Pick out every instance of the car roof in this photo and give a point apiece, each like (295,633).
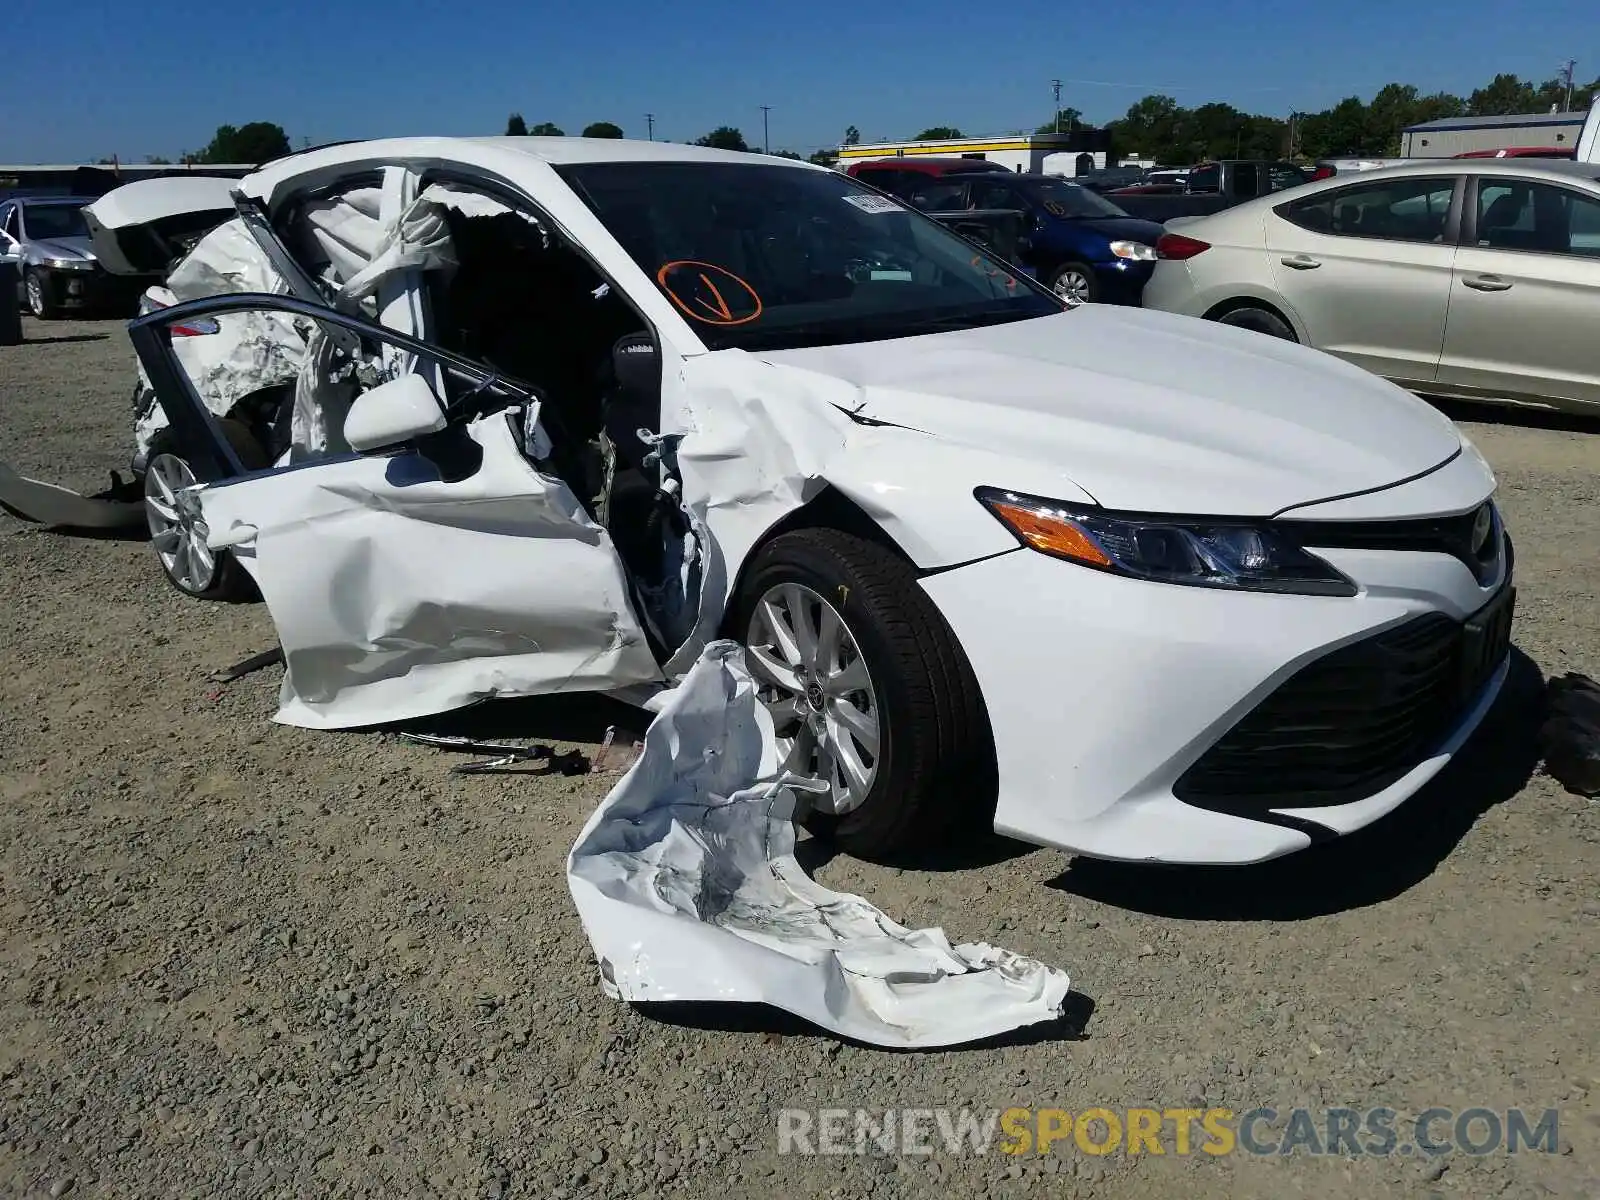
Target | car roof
(1520,165)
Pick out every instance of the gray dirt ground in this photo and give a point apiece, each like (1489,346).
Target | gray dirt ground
(239,959)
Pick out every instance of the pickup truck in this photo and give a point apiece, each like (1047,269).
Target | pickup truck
(1208,188)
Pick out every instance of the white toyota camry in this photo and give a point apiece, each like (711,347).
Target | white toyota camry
(511,416)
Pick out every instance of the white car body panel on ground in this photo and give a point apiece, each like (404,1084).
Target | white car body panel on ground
(686,882)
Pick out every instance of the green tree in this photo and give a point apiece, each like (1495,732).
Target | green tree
(156,160)
(602,129)
(787,154)
(1338,131)
(516,126)
(1067,119)
(939,133)
(1148,129)
(547,129)
(723,137)
(257,142)
(852,136)
(1502,96)
(824,157)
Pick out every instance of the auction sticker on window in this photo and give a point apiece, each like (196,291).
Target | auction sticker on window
(868,203)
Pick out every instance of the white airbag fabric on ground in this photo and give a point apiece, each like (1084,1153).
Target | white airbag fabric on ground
(686,882)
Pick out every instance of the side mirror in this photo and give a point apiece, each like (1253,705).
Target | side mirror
(637,366)
(398,411)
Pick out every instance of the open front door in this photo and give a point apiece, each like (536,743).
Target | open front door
(448,567)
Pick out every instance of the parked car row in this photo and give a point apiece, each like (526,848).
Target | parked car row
(988,554)
(1079,244)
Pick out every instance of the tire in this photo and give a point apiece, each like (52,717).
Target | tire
(173,524)
(933,777)
(1075,283)
(1259,320)
(36,295)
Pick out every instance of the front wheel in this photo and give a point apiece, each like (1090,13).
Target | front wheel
(178,532)
(869,692)
(1074,283)
(37,295)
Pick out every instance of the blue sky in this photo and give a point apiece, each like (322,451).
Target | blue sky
(86,79)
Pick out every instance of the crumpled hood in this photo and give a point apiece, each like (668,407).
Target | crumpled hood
(1148,411)
(68,247)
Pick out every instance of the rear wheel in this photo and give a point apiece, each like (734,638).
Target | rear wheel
(1259,320)
(869,692)
(178,531)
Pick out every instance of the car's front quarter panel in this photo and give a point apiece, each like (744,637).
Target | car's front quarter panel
(1102,691)
(762,441)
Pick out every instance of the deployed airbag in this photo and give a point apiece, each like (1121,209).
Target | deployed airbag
(687,884)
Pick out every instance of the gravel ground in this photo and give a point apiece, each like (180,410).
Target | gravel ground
(239,959)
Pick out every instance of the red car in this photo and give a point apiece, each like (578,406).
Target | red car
(1520,152)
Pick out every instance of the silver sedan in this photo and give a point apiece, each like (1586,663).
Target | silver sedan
(1471,278)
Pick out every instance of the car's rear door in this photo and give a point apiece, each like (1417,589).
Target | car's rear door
(445,571)
(1525,299)
(1367,268)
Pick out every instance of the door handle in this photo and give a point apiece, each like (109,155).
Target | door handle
(1301,262)
(1486,283)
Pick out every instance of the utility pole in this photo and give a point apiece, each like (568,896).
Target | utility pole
(650,124)
(1055,87)
(1566,74)
(766,144)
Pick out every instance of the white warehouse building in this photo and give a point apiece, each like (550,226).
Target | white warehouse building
(1450,136)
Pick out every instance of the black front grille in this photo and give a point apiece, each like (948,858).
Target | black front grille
(1451,535)
(1343,727)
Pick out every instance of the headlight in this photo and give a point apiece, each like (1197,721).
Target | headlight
(70,264)
(1242,555)
(1137,251)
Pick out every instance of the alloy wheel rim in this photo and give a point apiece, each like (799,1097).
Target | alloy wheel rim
(35,296)
(1072,287)
(177,530)
(815,684)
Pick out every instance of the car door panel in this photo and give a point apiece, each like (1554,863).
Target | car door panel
(1524,300)
(411,583)
(1377,297)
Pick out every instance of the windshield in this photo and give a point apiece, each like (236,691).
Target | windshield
(776,257)
(1062,199)
(46,222)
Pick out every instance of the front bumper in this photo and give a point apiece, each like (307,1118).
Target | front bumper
(1122,280)
(96,289)
(1104,694)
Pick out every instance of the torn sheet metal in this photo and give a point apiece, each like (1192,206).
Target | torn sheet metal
(248,350)
(57,507)
(397,594)
(686,882)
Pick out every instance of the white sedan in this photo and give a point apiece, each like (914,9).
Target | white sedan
(1473,278)
(566,411)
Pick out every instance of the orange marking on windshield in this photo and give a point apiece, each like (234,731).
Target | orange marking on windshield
(715,311)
